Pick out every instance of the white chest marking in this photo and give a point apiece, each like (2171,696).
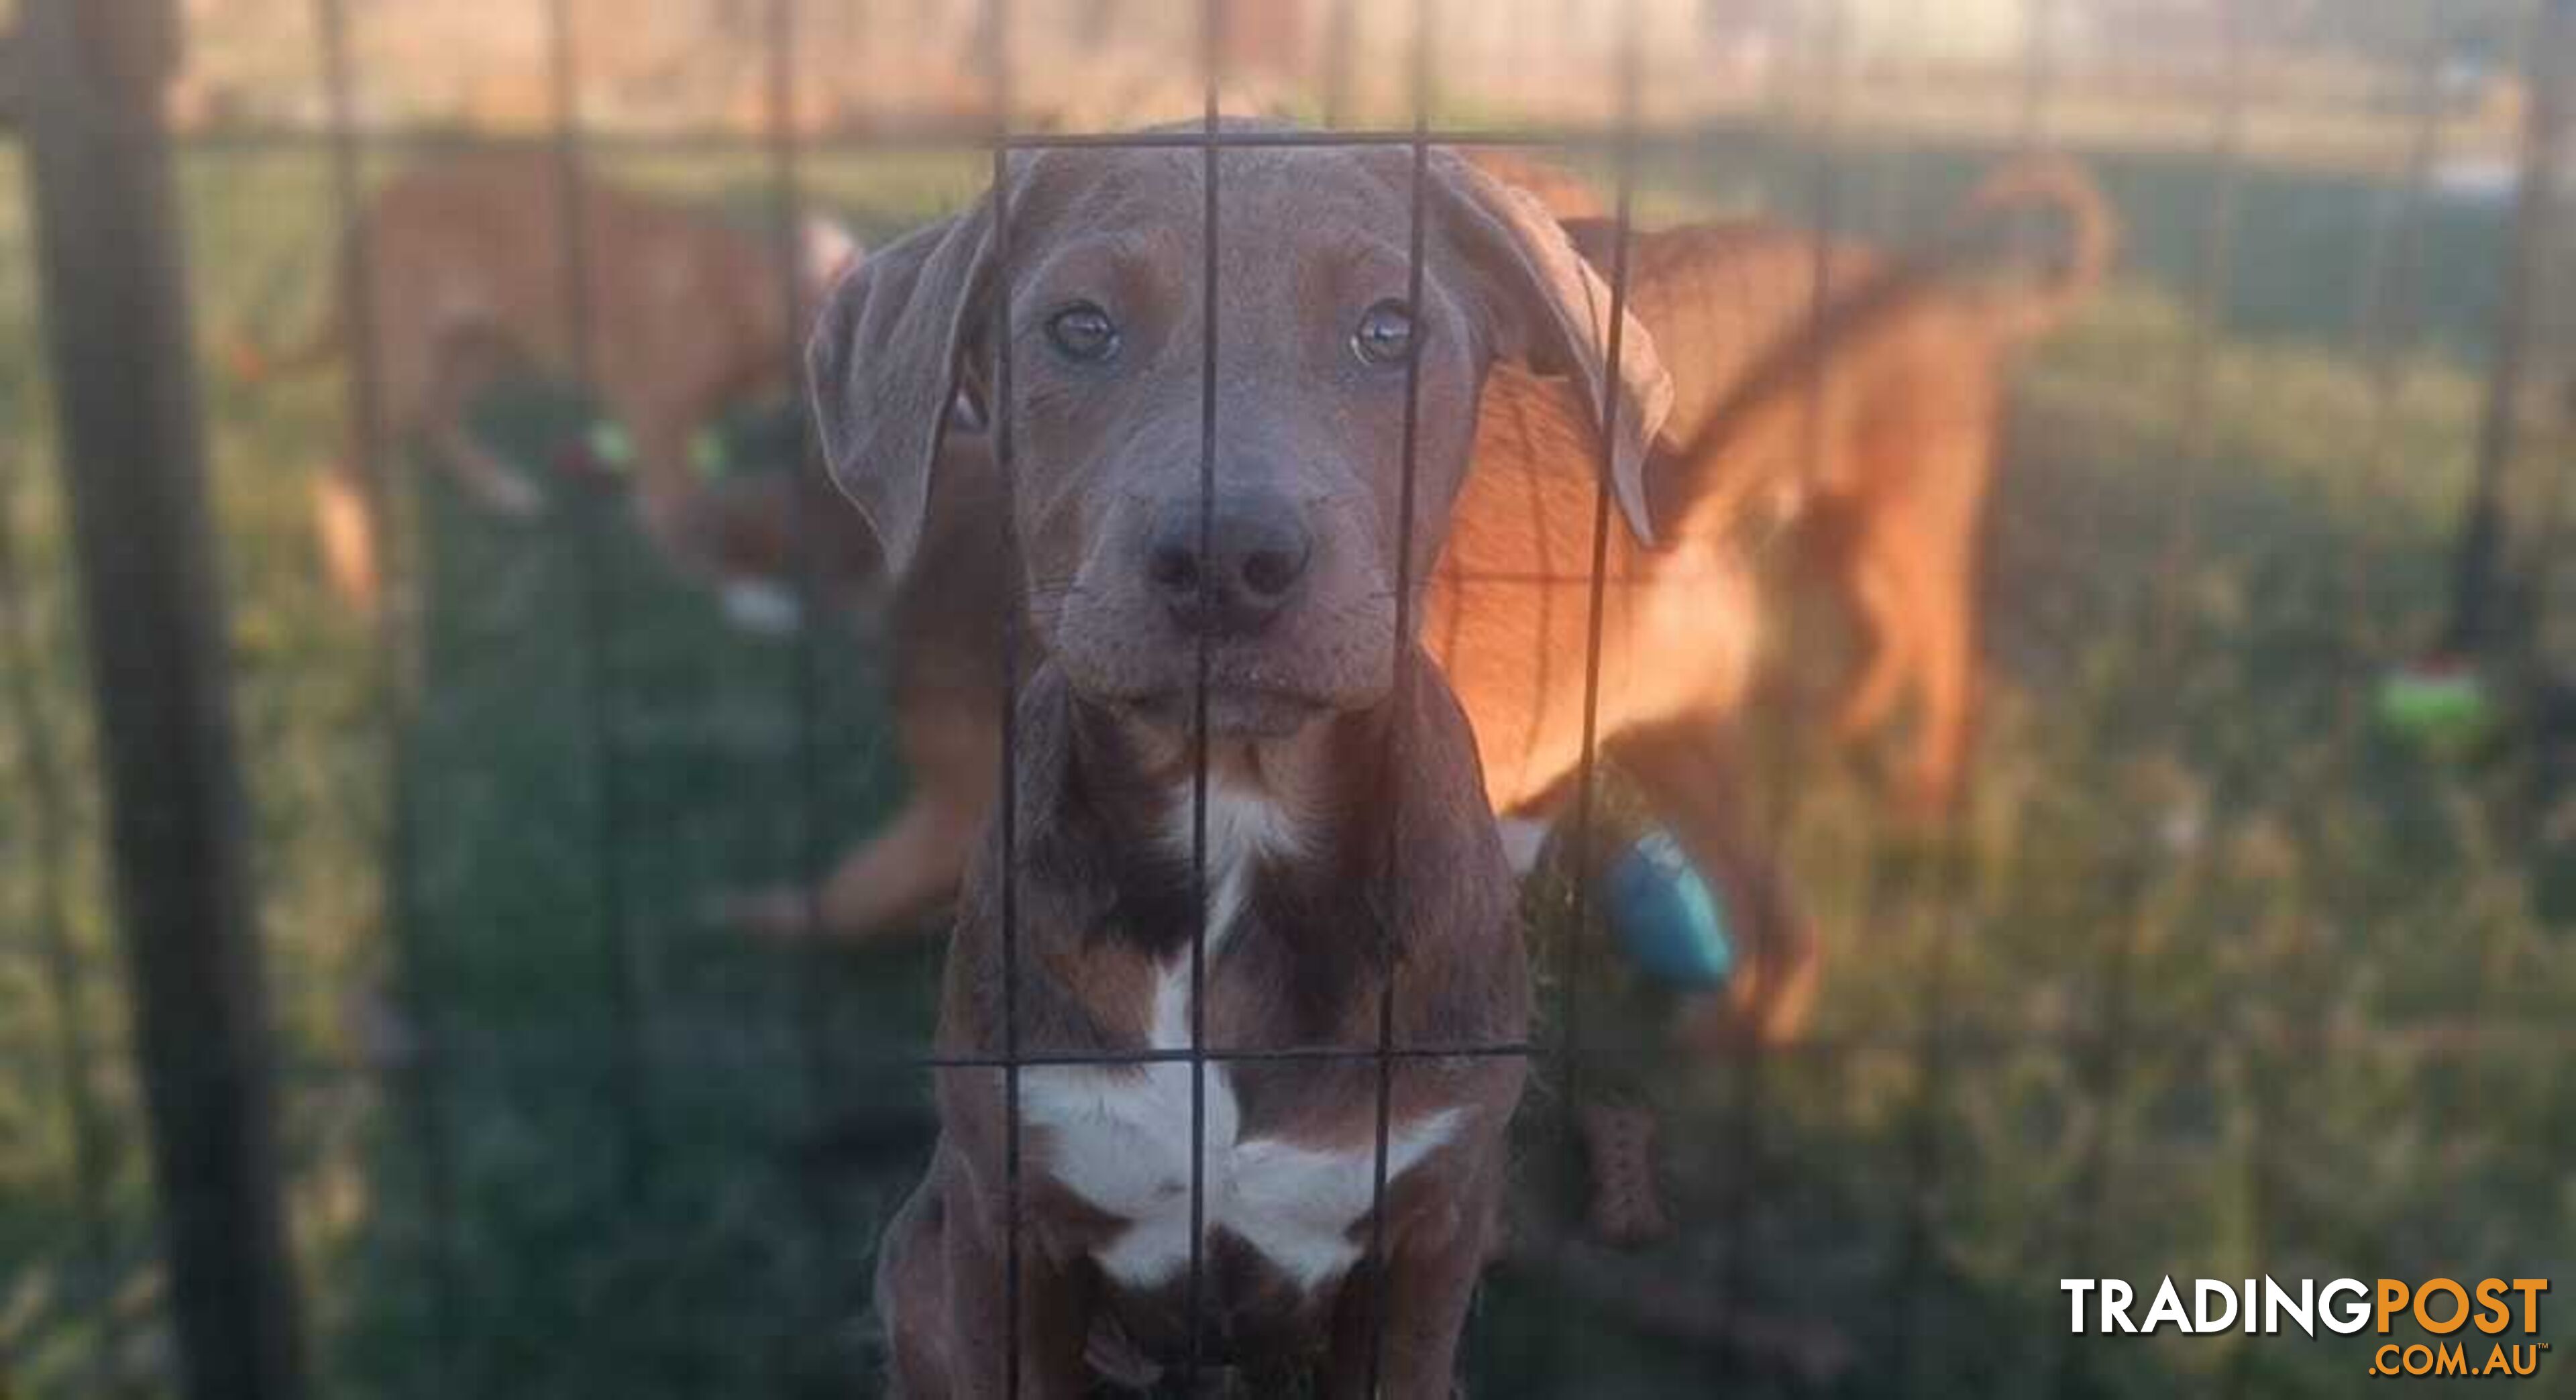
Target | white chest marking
(1119,1138)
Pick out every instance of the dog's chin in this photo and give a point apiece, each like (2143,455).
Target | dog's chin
(1233,712)
(1255,690)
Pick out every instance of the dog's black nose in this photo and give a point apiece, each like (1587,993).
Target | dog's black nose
(1256,555)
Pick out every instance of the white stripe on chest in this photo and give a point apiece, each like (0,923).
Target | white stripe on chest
(1119,1138)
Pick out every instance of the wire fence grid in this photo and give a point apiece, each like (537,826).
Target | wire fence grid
(2384,323)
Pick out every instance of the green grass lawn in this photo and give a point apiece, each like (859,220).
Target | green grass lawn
(2211,981)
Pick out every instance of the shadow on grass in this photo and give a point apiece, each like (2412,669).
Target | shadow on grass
(636,1200)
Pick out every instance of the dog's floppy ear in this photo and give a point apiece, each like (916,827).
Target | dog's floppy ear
(1551,311)
(882,368)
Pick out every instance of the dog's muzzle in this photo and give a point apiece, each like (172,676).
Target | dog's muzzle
(1231,570)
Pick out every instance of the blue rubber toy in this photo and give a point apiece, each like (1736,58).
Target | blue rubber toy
(1668,917)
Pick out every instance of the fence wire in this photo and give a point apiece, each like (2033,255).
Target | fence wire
(419,1081)
(2383,323)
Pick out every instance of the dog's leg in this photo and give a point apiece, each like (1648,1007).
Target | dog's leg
(1693,781)
(1424,1286)
(894,876)
(1055,1307)
(1947,674)
(347,507)
(346,527)
(1877,594)
(906,871)
(952,753)
(944,1277)
(1924,536)
(911,1283)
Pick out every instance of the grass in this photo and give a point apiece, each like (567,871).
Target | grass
(2212,980)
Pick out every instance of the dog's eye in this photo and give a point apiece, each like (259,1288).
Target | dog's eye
(1083,332)
(1385,334)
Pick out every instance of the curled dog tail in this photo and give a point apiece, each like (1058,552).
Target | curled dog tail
(2092,237)
(1702,477)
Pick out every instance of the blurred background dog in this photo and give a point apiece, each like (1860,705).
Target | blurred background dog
(467,267)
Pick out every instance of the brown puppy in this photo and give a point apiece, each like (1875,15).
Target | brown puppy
(1875,424)
(1352,866)
(466,271)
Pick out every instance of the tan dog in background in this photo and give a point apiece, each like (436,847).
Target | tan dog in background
(1872,432)
(1874,426)
(467,274)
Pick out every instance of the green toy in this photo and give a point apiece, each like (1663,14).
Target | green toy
(2440,703)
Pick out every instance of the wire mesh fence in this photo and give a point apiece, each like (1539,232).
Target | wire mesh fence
(2202,932)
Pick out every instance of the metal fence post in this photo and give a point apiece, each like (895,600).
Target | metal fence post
(133,464)
(2480,589)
